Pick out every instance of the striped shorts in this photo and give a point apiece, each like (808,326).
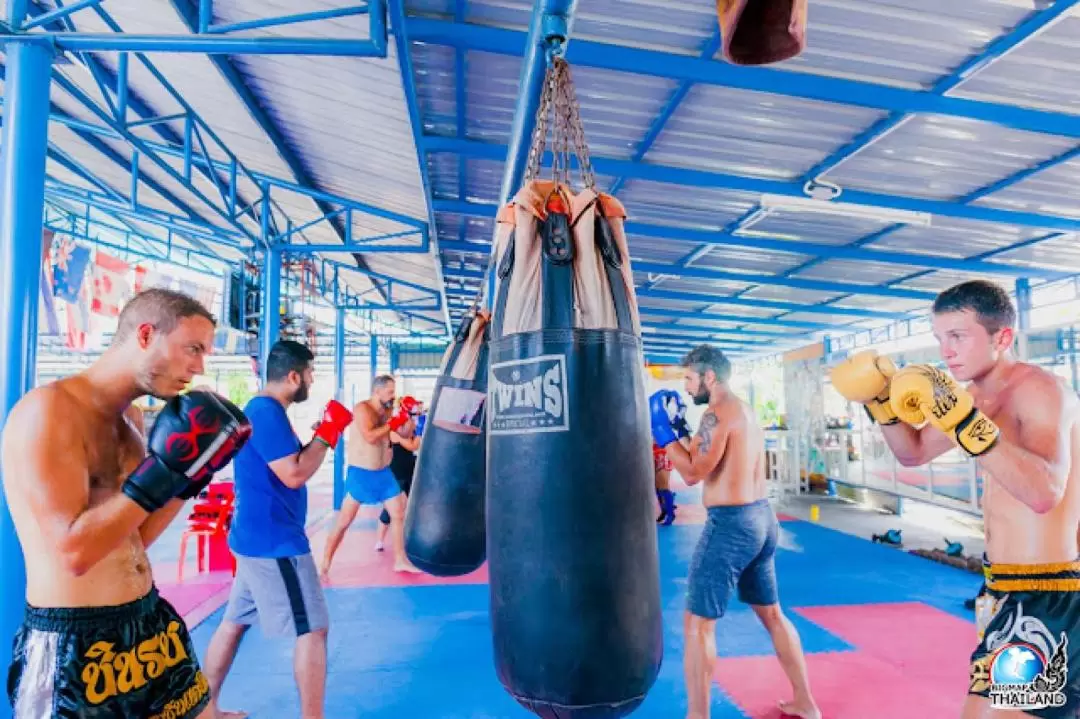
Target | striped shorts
(282,595)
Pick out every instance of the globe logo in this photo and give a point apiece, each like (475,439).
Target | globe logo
(1016,664)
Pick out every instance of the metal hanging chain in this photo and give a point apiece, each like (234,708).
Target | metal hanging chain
(539,138)
(577,128)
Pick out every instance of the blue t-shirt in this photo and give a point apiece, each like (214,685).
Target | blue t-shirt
(269,518)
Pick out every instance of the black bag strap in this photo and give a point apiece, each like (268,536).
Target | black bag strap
(557,271)
(505,269)
(609,252)
(459,343)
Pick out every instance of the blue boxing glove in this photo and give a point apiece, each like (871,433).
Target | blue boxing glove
(676,410)
(659,418)
(420,422)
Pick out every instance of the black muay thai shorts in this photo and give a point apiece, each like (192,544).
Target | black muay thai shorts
(132,661)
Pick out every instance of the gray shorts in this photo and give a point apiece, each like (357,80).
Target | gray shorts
(282,595)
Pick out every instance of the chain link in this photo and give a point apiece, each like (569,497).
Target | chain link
(559,99)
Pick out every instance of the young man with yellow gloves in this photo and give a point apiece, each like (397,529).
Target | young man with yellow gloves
(1019,423)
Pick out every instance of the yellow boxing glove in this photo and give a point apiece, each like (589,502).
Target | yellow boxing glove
(864,377)
(923,393)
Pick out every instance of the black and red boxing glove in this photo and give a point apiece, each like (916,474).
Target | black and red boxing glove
(334,421)
(195,435)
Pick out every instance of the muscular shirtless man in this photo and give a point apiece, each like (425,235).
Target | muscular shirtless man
(88,497)
(1019,423)
(369,479)
(738,544)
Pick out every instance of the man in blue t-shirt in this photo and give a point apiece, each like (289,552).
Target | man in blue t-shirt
(277,583)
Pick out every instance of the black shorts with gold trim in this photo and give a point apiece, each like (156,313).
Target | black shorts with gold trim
(132,661)
(1029,656)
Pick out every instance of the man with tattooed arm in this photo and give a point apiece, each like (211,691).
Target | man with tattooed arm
(738,543)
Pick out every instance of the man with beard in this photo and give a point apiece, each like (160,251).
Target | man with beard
(88,494)
(276,583)
(737,547)
(369,479)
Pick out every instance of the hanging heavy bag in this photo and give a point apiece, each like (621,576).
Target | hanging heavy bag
(444,521)
(761,32)
(572,549)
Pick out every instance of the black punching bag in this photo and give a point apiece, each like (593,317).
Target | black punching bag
(444,522)
(572,556)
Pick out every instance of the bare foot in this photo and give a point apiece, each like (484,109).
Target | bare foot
(323,572)
(406,566)
(801,709)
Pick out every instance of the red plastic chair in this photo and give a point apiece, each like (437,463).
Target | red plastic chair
(208,521)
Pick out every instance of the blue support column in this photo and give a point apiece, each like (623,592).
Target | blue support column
(551,23)
(339,394)
(374,350)
(1023,316)
(270,327)
(23,145)
(226,296)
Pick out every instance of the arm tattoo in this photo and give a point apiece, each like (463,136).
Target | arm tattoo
(705,431)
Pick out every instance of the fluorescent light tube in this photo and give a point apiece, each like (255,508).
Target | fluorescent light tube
(844,209)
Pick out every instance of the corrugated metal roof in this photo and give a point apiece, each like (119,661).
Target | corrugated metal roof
(762,133)
(343,127)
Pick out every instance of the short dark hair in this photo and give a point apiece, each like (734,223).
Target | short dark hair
(990,302)
(287,356)
(381,381)
(706,357)
(159,307)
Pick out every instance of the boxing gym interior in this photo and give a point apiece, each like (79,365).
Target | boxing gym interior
(398,184)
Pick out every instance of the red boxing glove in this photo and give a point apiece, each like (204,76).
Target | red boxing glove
(399,419)
(334,421)
(410,405)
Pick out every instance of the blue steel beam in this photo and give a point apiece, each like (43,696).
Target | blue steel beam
(204,44)
(67,222)
(1034,24)
(190,15)
(711,300)
(798,283)
(691,329)
(711,238)
(549,31)
(140,146)
(769,79)
(178,225)
(724,181)
(117,84)
(294,19)
(668,111)
(23,149)
(402,46)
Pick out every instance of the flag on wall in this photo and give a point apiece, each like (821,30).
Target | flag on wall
(69,268)
(78,322)
(146,278)
(47,306)
(111,286)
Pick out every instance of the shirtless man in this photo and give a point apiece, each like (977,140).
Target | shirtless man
(88,495)
(369,479)
(404,443)
(1019,423)
(738,544)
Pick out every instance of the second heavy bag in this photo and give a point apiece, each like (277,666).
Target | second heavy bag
(572,555)
(762,32)
(444,521)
